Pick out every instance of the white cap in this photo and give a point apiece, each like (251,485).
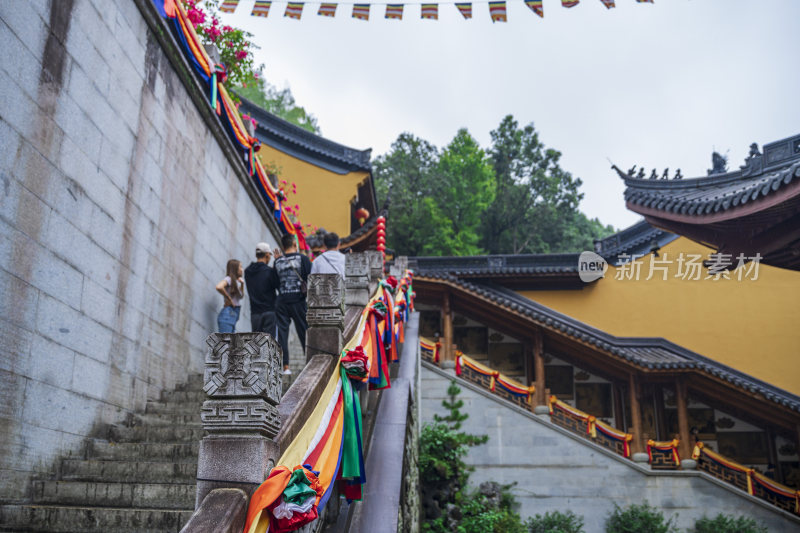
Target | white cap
(263,248)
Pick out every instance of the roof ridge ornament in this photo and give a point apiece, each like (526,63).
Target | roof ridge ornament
(753,163)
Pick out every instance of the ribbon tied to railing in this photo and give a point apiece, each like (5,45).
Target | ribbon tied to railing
(671,446)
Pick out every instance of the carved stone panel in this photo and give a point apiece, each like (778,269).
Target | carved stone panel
(326,291)
(356,265)
(233,415)
(242,365)
(375,264)
(325,317)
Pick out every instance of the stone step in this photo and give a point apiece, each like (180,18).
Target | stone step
(58,518)
(142,451)
(185,409)
(167,419)
(133,471)
(178,396)
(94,493)
(153,433)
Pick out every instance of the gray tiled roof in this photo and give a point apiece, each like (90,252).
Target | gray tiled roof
(646,352)
(638,239)
(760,176)
(497,265)
(294,140)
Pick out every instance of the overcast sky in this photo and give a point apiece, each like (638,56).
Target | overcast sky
(659,85)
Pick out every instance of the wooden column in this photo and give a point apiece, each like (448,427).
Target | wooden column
(681,399)
(619,410)
(538,368)
(636,415)
(447,329)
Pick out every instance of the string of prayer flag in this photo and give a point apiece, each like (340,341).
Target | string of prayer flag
(229,6)
(261,8)
(497,10)
(294,10)
(570,3)
(394,11)
(465,9)
(430,11)
(361,11)
(536,6)
(327,10)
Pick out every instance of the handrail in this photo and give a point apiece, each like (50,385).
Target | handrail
(329,445)
(753,482)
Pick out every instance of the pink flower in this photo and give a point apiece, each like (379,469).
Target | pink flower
(244,85)
(241,54)
(254,122)
(196,16)
(296,206)
(227,28)
(230,44)
(283,181)
(255,75)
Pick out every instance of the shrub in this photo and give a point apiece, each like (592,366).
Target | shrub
(728,524)
(639,519)
(555,522)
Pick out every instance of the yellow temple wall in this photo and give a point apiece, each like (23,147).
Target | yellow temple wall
(750,325)
(324,197)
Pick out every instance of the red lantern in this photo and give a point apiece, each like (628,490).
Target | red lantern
(381,241)
(381,220)
(362,215)
(381,232)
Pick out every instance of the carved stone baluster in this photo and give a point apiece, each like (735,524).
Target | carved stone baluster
(243,382)
(325,315)
(375,268)
(399,267)
(357,280)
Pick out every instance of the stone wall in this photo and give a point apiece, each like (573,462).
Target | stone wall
(118,211)
(555,471)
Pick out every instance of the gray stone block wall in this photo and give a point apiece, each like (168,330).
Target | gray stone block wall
(553,471)
(118,212)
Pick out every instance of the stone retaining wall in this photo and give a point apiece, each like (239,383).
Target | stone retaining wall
(118,211)
(557,471)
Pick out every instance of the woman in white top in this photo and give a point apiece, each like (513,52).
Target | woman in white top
(232,289)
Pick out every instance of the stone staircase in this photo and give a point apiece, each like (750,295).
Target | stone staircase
(140,478)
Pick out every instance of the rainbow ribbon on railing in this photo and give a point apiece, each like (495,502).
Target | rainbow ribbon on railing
(663,447)
(615,434)
(430,347)
(221,102)
(329,446)
(496,378)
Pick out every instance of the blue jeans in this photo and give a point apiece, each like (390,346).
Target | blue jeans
(227,318)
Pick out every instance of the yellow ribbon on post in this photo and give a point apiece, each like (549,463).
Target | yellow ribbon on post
(531,390)
(550,404)
(698,448)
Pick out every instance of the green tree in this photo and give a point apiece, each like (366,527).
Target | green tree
(467,186)
(555,522)
(279,102)
(535,209)
(639,518)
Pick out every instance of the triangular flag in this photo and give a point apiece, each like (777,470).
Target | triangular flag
(536,6)
(327,10)
(361,11)
(570,3)
(466,9)
(645,1)
(261,9)
(229,6)
(430,11)
(394,11)
(294,10)
(497,10)
(608,3)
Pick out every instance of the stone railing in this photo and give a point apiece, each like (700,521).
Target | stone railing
(250,425)
(747,479)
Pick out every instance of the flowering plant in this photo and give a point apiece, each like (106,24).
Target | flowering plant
(234,45)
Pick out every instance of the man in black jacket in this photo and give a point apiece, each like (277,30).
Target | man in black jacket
(261,287)
(290,273)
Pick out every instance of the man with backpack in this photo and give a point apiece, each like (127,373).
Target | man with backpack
(261,288)
(290,272)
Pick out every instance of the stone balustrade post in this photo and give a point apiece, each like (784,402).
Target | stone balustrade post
(326,300)
(399,267)
(242,379)
(356,268)
(375,269)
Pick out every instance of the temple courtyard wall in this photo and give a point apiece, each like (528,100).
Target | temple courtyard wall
(118,210)
(555,471)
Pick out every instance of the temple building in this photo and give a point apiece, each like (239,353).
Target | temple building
(689,336)
(333,183)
